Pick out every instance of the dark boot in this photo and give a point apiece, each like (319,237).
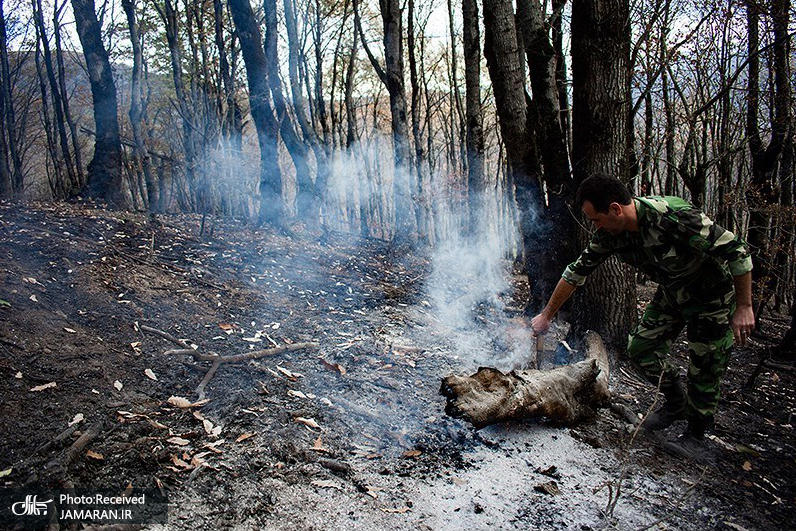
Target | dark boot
(673,409)
(692,445)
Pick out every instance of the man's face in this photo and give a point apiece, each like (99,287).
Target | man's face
(611,221)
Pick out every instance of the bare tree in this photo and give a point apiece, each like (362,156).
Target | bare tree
(766,158)
(392,75)
(474,115)
(506,69)
(105,168)
(600,103)
(272,208)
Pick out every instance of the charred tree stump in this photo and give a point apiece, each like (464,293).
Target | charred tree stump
(565,394)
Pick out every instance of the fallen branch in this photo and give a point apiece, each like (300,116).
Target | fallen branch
(564,394)
(216,360)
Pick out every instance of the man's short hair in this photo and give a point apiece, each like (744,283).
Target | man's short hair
(601,190)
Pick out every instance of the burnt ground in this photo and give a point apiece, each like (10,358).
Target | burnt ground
(351,435)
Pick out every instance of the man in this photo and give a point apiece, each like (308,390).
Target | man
(704,283)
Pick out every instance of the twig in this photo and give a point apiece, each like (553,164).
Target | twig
(217,360)
(676,505)
(613,496)
(200,390)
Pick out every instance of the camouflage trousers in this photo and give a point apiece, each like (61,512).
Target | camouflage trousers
(707,318)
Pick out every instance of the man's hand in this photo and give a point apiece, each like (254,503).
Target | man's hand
(540,324)
(743,323)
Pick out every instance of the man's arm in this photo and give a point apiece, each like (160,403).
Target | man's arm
(743,320)
(562,293)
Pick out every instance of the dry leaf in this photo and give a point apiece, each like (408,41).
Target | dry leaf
(156,424)
(551,487)
(289,374)
(200,403)
(151,375)
(402,510)
(208,426)
(336,367)
(179,441)
(6,472)
(43,387)
(94,455)
(118,385)
(18,375)
(326,484)
(747,466)
(310,422)
(243,436)
(297,394)
(33,298)
(412,453)
(318,446)
(179,462)
(178,401)
(70,330)
(78,418)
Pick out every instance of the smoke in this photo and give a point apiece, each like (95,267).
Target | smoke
(470,286)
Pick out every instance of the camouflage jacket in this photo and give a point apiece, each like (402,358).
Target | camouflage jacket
(676,245)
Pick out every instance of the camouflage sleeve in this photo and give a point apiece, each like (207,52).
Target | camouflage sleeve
(701,233)
(595,254)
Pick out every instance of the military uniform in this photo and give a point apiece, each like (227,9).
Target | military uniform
(693,261)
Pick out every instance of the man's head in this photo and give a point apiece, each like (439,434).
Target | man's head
(607,202)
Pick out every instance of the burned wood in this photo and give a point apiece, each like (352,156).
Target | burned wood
(564,394)
(217,360)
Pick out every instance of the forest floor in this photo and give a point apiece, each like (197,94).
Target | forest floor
(349,435)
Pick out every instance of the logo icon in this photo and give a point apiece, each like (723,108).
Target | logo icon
(30,507)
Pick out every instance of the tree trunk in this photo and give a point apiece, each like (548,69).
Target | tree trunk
(105,169)
(503,56)
(57,101)
(170,18)
(601,106)
(271,202)
(765,159)
(300,108)
(306,204)
(233,122)
(556,232)
(565,394)
(392,75)
(474,122)
(15,174)
(136,109)
(65,97)
(421,213)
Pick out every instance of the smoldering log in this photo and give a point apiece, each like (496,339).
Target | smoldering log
(565,394)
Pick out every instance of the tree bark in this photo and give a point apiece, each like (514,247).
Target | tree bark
(271,202)
(57,101)
(70,120)
(765,158)
(392,75)
(565,394)
(136,109)
(170,19)
(556,232)
(13,180)
(601,105)
(306,203)
(506,70)
(474,120)
(105,169)
(300,107)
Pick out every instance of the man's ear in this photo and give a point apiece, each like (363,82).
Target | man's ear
(615,208)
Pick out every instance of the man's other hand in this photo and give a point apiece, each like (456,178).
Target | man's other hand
(743,323)
(540,324)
